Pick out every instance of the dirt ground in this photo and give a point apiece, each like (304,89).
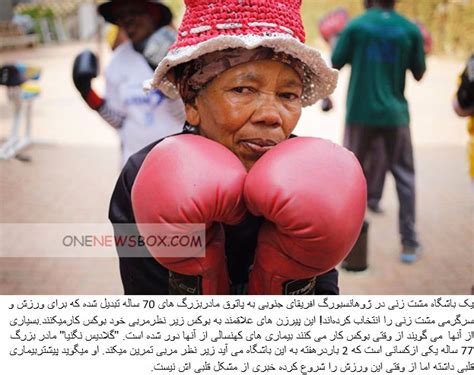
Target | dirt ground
(75,163)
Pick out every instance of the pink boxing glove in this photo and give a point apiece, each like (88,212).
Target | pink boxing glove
(332,24)
(191,179)
(313,194)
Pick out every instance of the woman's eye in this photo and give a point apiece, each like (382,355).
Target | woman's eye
(289,95)
(242,90)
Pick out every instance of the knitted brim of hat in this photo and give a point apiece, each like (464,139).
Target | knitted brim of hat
(319,80)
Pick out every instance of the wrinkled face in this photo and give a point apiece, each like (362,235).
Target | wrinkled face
(249,108)
(137,23)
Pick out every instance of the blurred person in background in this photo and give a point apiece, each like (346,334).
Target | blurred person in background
(115,36)
(381,45)
(330,25)
(463,105)
(140,118)
(375,167)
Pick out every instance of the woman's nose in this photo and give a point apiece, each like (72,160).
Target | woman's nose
(267,111)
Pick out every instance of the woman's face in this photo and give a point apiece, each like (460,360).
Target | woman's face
(249,108)
(136,22)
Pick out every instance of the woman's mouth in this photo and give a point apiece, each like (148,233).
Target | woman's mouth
(258,145)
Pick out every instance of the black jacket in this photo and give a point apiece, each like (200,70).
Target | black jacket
(144,275)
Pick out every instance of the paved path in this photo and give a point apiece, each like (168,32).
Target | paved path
(73,171)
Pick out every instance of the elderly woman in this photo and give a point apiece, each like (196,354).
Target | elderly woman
(279,213)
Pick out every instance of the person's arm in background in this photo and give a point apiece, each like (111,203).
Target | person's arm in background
(85,68)
(330,26)
(418,63)
(113,112)
(342,52)
(463,102)
(427,39)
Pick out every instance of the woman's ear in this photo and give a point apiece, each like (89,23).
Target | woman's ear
(192,114)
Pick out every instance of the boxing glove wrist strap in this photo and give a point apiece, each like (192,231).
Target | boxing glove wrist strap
(93,100)
(111,116)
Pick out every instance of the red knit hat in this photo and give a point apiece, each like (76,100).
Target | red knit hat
(212,25)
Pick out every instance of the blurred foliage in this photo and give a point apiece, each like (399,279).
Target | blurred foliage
(47,8)
(37,12)
(177,7)
(40,10)
(450,22)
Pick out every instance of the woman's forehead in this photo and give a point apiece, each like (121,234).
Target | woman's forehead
(260,70)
